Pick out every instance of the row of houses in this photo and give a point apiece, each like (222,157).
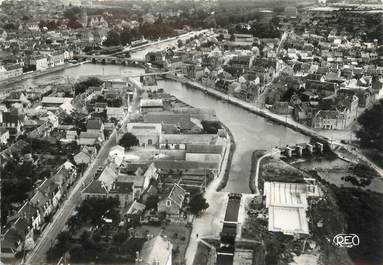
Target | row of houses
(25,224)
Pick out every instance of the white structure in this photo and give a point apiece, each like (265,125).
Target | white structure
(287,205)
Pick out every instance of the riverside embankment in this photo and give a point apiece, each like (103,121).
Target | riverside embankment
(288,122)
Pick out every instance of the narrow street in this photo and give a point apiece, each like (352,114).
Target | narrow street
(209,223)
(48,236)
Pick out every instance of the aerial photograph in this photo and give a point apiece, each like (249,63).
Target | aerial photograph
(191,132)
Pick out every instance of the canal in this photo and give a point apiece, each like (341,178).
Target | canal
(249,130)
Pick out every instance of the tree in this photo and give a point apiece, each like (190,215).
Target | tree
(180,43)
(198,204)
(82,86)
(112,39)
(128,140)
(370,133)
(152,202)
(72,13)
(211,127)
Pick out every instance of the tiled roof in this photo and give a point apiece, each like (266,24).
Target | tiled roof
(177,195)
(94,124)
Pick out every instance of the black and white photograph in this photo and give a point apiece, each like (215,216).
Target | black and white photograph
(191,132)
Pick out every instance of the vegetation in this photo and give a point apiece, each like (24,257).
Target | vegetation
(112,39)
(371,132)
(152,202)
(128,140)
(83,86)
(198,204)
(211,127)
(363,212)
(94,210)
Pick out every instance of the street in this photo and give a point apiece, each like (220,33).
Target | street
(48,236)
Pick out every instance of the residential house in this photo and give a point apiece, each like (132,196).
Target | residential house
(38,62)
(13,122)
(134,213)
(172,203)
(90,139)
(54,103)
(95,126)
(139,174)
(117,113)
(10,71)
(338,118)
(85,156)
(100,107)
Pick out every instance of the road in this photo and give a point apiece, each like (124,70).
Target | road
(48,236)
(209,224)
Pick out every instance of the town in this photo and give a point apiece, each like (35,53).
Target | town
(183,132)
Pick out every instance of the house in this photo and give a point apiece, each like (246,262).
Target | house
(134,212)
(10,71)
(139,174)
(148,105)
(100,107)
(85,156)
(39,62)
(95,126)
(13,122)
(90,139)
(172,203)
(155,57)
(16,97)
(95,189)
(339,117)
(54,103)
(146,133)
(4,136)
(156,251)
(13,238)
(123,190)
(117,113)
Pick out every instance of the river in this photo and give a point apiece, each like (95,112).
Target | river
(249,130)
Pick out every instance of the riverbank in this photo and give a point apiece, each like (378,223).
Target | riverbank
(257,154)
(288,122)
(227,160)
(39,73)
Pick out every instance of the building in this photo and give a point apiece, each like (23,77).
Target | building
(204,153)
(172,203)
(117,113)
(95,127)
(39,62)
(4,136)
(148,105)
(287,205)
(157,250)
(146,133)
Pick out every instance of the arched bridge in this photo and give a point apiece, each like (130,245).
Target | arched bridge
(109,59)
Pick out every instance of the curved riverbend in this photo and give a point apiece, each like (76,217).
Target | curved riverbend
(249,130)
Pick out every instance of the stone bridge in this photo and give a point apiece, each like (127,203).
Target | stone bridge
(110,59)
